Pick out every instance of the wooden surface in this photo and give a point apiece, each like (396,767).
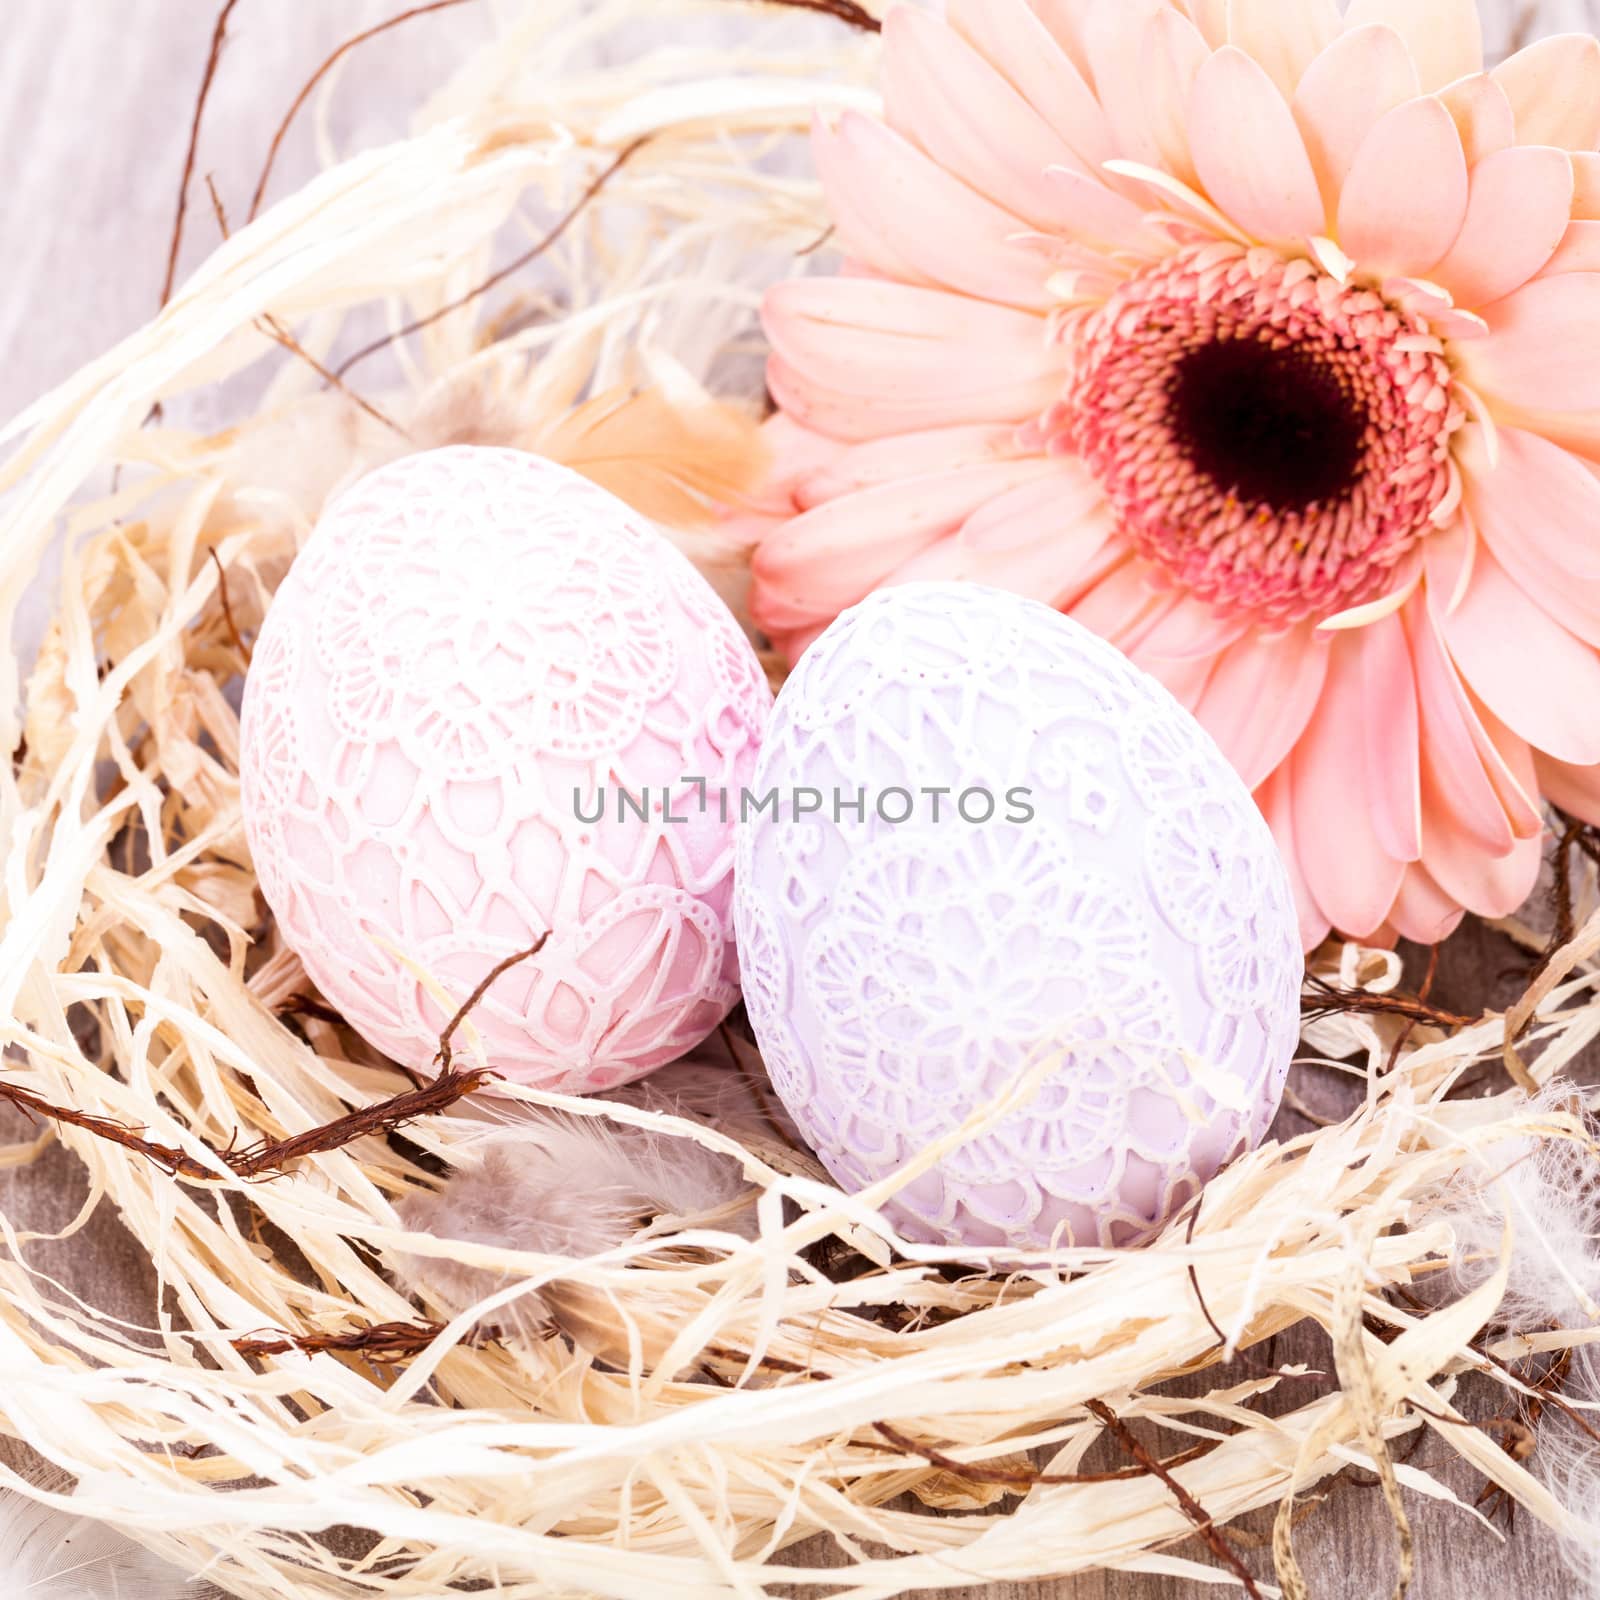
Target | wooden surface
(95,100)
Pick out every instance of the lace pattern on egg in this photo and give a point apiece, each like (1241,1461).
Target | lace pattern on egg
(901,978)
(468,637)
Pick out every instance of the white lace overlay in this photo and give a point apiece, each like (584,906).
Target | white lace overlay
(469,637)
(1135,941)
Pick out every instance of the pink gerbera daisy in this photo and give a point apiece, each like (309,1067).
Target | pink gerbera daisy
(1264,340)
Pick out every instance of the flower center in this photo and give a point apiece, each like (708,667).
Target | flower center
(1272,440)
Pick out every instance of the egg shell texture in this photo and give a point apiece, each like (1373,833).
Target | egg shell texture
(474,646)
(1135,942)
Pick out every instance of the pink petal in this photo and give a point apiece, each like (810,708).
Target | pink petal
(1284,38)
(861,358)
(1049,509)
(1586,183)
(1422,911)
(1455,747)
(1445,37)
(849,469)
(1067,22)
(1492,886)
(1406,195)
(1392,737)
(1576,790)
(1579,250)
(1276,799)
(1535,676)
(1517,212)
(1554,89)
(1211,18)
(1120,602)
(1248,152)
(1540,349)
(1174,52)
(1046,568)
(907,217)
(1483,116)
(829,557)
(945,96)
(1359,78)
(1096,215)
(1192,628)
(1116,44)
(1537,505)
(1258,730)
(1017,43)
(794,453)
(1353,878)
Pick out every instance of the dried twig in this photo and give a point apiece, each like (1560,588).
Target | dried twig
(532,253)
(845,10)
(179,1163)
(1025,1478)
(218,34)
(382,1341)
(1204,1522)
(227,606)
(317,77)
(470,1004)
(275,330)
(1329,1000)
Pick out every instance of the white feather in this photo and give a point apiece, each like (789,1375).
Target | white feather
(48,1554)
(1549,1189)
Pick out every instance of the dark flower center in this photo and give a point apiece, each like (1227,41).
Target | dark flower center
(1271,426)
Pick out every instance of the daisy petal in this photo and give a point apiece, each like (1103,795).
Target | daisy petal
(848,469)
(1422,911)
(1049,509)
(1393,737)
(1116,43)
(1359,78)
(1512,653)
(1483,116)
(1248,151)
(1173,55)
(1586,183)
(1494,886)
(1576,790)
(1579,250)
(1192,628)
(942,94)
(1276,799)
(1445,37)
(1256,732)
(1516,215)
(1538,506)
(1352,876)
(1067,22)
(1554,89)
(1017,43)
(1211,18)
(1462,773)
(828,558)
(898,211)
(1539,351)
(1285,39)
(1406,195)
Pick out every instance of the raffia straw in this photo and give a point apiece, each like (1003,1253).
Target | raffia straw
(713,1398)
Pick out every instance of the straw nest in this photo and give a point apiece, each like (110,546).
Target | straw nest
(690,1403)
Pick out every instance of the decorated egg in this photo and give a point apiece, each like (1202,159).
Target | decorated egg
(490,705)
(998,889)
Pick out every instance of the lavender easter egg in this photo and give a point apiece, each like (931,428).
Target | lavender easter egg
(476,656)
(991,863)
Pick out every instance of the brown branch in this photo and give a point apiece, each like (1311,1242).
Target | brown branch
(1205,1523)
(270,1156)
(383,1341)
(218,34)
(1025,1478)
(275,330)
(1329,1000)
(317,77)
(531,254)
(846,11)
(1403,1038)
(227,606)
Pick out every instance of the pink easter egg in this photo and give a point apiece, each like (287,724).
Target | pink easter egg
(1011,897)
(479,671)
